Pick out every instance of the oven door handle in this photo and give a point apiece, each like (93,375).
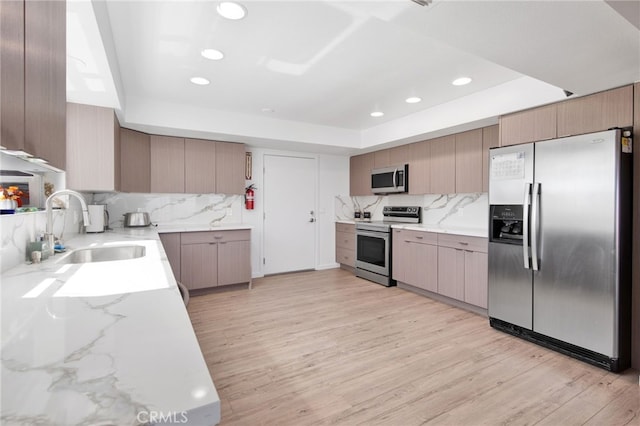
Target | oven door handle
(372,234)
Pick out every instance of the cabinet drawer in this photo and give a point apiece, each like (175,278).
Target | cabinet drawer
(346,227)
(346,256)
(346,240)
(463,242)
(422,237)
(215,236)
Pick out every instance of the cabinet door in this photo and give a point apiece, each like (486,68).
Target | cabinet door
(532,125)
(167,164)
(229,167)
(135,161)
(419,168)
(171,245)
(421,266)
(360,167)
(593,113)
(469,161)
(93,148)
(451,272)
(45,76)
(12,75)
(199,166)
(490,139)
(381,159)
(199,265)
(475,278)
(234,262)
(399,155)
(443,165)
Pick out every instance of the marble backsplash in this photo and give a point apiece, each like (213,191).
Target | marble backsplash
(197,209)
(16,230)
(455,210)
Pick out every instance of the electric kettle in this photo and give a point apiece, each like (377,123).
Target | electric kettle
(99,218)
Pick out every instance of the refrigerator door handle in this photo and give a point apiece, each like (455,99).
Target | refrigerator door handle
(525,225)
(535,201)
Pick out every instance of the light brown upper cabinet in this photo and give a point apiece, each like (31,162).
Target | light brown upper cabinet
(33,78)
(199,166)
(135,161)
(443,165)
(469,161)
(490,139)
(528,126)
(167,164)
(381,159)
(399,155)
(229,166)
(93,148)
(360,167)
(593,113)
(420,168)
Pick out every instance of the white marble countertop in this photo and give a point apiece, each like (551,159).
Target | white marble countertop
(104,343)
(455,230)
(164,228)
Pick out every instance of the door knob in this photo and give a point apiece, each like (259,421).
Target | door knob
(313,219)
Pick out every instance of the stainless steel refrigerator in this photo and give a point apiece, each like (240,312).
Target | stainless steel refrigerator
(560,245)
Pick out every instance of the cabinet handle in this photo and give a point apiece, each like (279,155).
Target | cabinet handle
(463,244)
(212,244)
(217,237)
(418,237)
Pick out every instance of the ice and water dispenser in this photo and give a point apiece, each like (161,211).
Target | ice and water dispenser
(506,224)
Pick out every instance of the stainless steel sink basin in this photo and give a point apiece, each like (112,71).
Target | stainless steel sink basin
(104,254)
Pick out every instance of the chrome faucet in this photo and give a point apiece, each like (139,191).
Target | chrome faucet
(48,206)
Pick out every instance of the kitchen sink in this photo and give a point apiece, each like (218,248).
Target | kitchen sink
(104,254)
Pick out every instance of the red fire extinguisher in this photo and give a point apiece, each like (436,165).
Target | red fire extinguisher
(249,197)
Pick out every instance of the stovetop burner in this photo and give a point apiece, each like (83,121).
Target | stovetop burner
(393,215)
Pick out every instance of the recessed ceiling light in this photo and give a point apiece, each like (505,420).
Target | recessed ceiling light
(201,81)
(461,81)
(213,54)
(413,100)
(377,114)
(231,10)
(268,110)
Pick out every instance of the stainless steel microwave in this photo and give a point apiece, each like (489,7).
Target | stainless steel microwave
(390,180)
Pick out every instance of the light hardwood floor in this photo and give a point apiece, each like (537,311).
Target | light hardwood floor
(325,347)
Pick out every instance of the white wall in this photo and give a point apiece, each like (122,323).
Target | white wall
(332,178)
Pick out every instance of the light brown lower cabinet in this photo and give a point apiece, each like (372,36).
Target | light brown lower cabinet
(454,266)
(463,268)
(346,244)
(209,258)
(415,258)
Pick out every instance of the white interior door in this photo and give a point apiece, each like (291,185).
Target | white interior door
(289,213)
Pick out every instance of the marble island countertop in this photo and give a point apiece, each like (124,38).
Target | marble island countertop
(101,343)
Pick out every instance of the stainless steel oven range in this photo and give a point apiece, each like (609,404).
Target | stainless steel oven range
(373,243)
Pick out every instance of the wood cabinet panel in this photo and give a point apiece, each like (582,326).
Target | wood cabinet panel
(451,272)
(346,256)
(346,244)
(597,112)
(215,236)
(135,161)
(229,167)
(443,165)
(476,278)
(399,155)
(199,265)
(420,168)
(45,94)
(93,148)
(346,227)
(172,246)
(12,118)
(346,240)
(167,164)
(234,262)
(422,266)
(528,126)
(399,255)
(199,166)
(360,167)
(469,161)
(490,139)
(381,159)
(463,242)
